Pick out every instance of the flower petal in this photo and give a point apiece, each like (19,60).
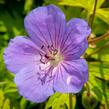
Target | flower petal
(71,76)
(71,53)
(20,53)
(30,85)
(77,31)
(45,25)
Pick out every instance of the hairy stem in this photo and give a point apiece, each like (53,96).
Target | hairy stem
(93,15)
(70,101)
(95,40)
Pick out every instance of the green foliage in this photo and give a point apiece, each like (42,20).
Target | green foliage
(99,72)
(99,79)
(60,101)
(4,102)
(102,13)
(99,25)
(23,103)
(1,98)
(28,5)
(86,4)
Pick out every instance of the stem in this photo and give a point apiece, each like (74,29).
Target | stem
(70,101)
(88,89)
(99,49)
(95,40)
(93,15)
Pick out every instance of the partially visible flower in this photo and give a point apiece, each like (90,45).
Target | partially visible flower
(49,59)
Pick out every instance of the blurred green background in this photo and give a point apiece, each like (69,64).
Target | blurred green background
(12,13)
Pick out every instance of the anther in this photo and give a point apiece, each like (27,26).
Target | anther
(55,52)
(42,46)
(47,56)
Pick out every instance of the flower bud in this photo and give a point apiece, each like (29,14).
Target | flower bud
(89,100)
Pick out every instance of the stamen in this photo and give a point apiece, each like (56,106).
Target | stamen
(41,60)
(49,48)
(50,60)
(42,47)
(46,76)
(55,52)
(52,47)
(47,56)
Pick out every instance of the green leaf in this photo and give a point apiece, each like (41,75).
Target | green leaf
(2,27)
(11,90)
(86,4)
(59,101)
(23,103)
(28,5)
(103,14)
(6,104)
(99,80)
(99,25)
(13,24)
(1,98)
(3,83)
(77,12)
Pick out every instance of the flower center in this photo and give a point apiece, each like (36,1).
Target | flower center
(53,57)
(50,59)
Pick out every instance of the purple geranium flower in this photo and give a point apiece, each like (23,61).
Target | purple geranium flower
(49,59)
